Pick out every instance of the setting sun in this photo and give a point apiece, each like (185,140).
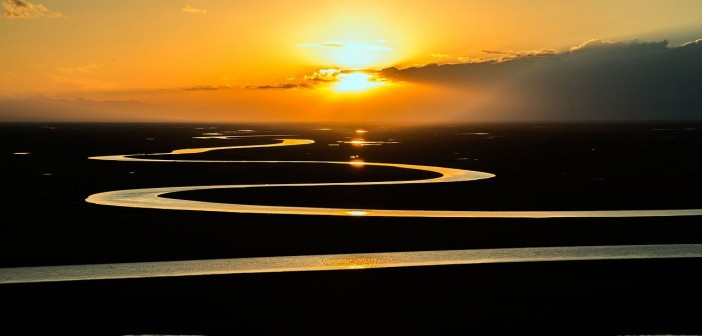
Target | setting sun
(355,82)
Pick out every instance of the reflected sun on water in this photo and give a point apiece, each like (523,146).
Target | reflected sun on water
(357,163)
(357,213)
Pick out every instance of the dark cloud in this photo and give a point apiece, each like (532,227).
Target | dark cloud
(596,80)
(25,9)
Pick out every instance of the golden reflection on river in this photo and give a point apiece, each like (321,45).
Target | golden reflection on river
(151,197)
(342,262)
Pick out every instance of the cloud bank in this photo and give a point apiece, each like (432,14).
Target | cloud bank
(596,80)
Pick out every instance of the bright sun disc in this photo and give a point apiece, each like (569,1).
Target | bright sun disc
(355,82)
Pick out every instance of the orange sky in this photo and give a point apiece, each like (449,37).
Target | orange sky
(261,60)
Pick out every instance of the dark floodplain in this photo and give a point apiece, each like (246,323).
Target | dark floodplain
(46,176)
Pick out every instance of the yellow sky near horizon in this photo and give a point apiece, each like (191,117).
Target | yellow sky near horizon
(151,50)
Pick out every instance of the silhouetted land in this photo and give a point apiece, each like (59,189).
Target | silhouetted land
(537,167)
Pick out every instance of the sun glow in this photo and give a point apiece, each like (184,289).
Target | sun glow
(355,82)
(350,55)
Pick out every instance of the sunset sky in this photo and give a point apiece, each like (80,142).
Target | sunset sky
(221,61)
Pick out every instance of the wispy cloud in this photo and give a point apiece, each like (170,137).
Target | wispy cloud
(344,44)
(464,59)
(440,55)
(193,10)
(78,70)
(228,87)
(24,9)
(279,86)
(322,78)
(207,87)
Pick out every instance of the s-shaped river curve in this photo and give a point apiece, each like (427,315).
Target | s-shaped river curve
(151,197)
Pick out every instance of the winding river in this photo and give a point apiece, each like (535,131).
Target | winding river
(152,198)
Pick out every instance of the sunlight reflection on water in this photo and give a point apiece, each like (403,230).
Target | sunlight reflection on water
(344,262)
(151,198)
(357,213)
(358,142)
